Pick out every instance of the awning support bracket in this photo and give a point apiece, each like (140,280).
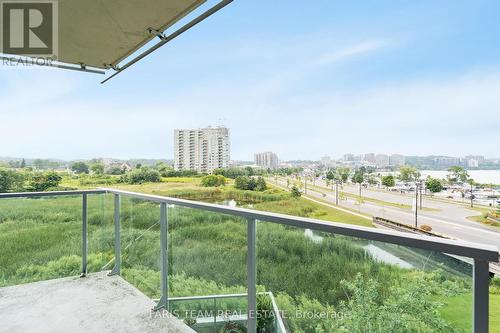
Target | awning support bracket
(156,33)
(168,38)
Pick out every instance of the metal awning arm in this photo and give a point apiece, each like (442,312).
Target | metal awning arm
(33,62)
(168,38)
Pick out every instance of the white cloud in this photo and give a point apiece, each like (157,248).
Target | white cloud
(56,115)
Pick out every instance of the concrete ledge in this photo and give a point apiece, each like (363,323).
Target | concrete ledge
(96,303)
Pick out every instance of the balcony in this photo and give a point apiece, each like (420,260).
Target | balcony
(110,260)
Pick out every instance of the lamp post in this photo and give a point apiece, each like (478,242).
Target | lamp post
(337,192)
(418,186)
(471,182)
(421,196)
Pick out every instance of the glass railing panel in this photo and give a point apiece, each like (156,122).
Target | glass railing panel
(100,233)
(211,313)
(207,255)
(331,283)
(140,244)
(40,238)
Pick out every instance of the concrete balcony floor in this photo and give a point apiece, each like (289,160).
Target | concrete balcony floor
(96,303)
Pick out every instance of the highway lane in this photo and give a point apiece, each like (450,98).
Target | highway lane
(449,221)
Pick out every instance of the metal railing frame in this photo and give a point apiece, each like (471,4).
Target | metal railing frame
(277,313)
(480,253)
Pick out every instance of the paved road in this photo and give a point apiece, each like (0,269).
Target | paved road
(450,220)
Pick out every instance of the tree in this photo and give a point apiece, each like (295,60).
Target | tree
(330,176)
(344,173)
(80,167)
(457,174)
(142,175)
(408,173)
(295,192)
(38,164)
(241,182)
(358,177)
(250,183)
(261,184)
(23,163)
(43,181)
(97,168)
(10,180)
(115,170)
(434,185)
(388,181)
(213,181)
(250,171)
(316,176)
(163,168)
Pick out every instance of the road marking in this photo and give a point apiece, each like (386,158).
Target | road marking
(454,225)
(326,204)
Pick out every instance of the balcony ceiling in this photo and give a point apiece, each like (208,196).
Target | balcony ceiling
(99,33)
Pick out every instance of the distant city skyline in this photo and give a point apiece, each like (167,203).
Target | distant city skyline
(252,158)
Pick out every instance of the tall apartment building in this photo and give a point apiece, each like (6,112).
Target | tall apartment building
(267,160)
(202,150)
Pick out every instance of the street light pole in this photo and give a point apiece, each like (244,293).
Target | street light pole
(416,205)
(337,192)
(471,196)
(421,196)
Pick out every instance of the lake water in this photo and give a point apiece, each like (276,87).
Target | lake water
(479,176)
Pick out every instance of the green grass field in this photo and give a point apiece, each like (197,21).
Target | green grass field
(457,310)
(41,239)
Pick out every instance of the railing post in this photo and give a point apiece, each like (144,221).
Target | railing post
(481,296)
(163,303)
(84,235)
(215,314)
(252,276)
(118,249)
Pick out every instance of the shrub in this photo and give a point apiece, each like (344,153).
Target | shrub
(40,182)
(141,175)
(434,185)
(115,170)
(10,180)
(295,192)
(388,181)
(250,183)
(80,167)
(213,181)
(265,315)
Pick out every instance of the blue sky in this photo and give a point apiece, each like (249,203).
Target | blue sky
(301,78)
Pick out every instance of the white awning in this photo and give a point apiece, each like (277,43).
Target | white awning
(103,33)
(98,33)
